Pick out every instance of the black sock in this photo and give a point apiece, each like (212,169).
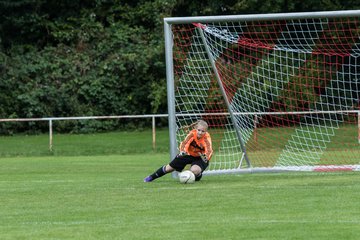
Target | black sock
(198,177)
(159,173)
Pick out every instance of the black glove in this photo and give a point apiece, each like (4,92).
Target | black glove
(204,157)
(181,154)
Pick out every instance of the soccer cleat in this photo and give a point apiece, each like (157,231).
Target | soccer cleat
(148,179)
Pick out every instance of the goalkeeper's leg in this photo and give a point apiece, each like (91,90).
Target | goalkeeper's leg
(197,167)
(198,177)
(159,173)
(177,164)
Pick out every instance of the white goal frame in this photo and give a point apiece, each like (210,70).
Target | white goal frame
(171,21)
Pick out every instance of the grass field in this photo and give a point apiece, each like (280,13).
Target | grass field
(82,195)
(84,144)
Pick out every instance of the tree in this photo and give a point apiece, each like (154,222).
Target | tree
(74,58)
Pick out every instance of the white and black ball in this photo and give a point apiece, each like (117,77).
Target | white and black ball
(186,177)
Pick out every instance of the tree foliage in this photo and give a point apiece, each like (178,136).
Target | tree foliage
(102,57)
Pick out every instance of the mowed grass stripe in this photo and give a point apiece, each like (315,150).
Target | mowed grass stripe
(103,197)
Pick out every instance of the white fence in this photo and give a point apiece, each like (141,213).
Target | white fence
(51,119)
(154,116)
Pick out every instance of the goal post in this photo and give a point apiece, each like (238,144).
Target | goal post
(280,91)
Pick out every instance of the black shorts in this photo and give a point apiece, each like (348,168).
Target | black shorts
(179,162)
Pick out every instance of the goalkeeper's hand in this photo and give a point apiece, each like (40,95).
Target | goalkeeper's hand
(182,153)
(204,157)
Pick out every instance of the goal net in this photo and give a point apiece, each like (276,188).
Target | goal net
(279,91)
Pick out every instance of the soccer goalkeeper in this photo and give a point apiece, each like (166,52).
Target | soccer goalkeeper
(196,150)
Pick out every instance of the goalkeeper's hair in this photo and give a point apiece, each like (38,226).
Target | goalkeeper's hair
(197,123)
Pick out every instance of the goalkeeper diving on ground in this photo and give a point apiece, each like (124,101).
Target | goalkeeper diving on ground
(195,150)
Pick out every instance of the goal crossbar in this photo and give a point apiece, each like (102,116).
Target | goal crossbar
(256,17)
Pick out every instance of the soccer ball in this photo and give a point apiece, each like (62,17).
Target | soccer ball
(186,177)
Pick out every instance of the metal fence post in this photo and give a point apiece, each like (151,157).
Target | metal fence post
(50,135)
(153,133)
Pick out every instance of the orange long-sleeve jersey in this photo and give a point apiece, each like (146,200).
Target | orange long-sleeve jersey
(194,146)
